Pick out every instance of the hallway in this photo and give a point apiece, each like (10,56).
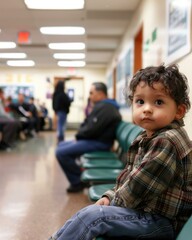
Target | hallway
(33,198)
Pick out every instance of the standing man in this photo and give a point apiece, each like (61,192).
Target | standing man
(96,133)
(61,104)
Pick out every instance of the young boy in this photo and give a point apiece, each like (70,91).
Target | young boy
(153,195)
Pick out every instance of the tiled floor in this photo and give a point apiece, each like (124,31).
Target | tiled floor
(33,198)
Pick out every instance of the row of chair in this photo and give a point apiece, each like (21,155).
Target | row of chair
(100,169)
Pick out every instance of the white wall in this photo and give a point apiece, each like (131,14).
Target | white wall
(185,67)
(152,14)
(38,79)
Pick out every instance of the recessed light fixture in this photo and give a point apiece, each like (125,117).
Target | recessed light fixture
(21,63)
(62,30)
(6,45)
(69,55)
(67,46)
(55,4)
(71,63)
(13,55)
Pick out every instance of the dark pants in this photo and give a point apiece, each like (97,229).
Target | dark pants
(10,129)
(67,153)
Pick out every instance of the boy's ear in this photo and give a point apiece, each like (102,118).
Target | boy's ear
(181,110)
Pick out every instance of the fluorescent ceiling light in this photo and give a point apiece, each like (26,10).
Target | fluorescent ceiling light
(69,55)
(5,45)
(55,4)
(62,30)
(67,46)
(21,63)
(71,63)
(13,55)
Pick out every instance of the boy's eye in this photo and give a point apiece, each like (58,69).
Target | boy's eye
(139,101)
(158,102)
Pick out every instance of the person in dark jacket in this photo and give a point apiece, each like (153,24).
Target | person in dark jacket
(61,104)
(21,111)
(96,133)
(9,127)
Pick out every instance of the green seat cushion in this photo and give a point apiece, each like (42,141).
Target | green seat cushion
(105,163)
(100,155)
(100,175)
(96,191)
(186,232)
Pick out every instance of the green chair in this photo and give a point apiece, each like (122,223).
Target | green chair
(126,128)
(114,162)
(98,163)
(96,191)
(99,155)
(133,135)
(106,154)
(97,175)
(186,231)
(122,138)
(108,175)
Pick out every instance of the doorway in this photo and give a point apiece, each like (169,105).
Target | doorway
(74,87)
(138,49)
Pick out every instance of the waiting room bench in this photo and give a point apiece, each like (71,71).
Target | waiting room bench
(108,154)
(105,172)
(124,139)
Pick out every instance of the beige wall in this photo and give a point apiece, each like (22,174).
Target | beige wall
(185,67)
(152,14)
(37,79)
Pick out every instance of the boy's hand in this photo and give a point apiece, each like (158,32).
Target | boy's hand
(103,201)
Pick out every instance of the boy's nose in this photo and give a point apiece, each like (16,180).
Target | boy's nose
(147,108)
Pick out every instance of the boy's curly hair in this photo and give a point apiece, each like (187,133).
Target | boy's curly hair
(175,83)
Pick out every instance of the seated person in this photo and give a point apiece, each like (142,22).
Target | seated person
(7,102)
(34,114)
(22,112)
(45,119)
(152,198)
(9,127)
(96,133)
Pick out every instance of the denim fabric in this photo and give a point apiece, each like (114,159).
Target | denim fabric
(115,221)
(61,125)
(68,152)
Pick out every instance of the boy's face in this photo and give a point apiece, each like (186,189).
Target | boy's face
(153,107)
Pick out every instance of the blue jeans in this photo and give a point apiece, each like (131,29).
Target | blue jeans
(61,125)
(68,152)
(117,222)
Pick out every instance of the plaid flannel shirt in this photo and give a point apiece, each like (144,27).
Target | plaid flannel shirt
(158,175)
